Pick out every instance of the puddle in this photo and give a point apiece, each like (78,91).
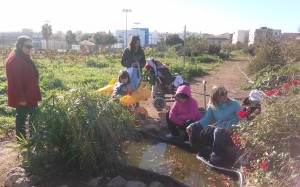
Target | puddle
(169,160)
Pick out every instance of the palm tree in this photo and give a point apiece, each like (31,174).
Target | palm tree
(47,32)
(70,38)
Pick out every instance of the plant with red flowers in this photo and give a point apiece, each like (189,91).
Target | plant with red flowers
(271,141)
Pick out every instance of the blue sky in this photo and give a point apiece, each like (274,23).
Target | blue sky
(205,16)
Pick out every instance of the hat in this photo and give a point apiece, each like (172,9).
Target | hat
(255,95)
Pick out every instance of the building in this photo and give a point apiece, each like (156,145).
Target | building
(241,36)
(8,39)
(143,33)
(290,36)
(261,33)
(219,40)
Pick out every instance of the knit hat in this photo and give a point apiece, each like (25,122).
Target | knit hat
(255,95)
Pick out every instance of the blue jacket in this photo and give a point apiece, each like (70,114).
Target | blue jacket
(123,89)
(225,115)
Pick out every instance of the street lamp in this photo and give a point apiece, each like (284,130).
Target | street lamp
(126,10)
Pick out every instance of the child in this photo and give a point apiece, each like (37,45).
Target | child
(251,104)
(183,112)
(123,86)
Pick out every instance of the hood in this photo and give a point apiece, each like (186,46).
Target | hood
(184,89)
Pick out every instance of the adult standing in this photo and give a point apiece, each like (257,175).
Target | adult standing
(23,89)
(133,59)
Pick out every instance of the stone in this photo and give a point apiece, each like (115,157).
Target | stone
(135,184)
(22,182)
(117,182)
(156,184)
(94,182)
(12,178)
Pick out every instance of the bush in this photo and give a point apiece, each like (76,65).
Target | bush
(80,131)
(189,71)
(96,64)
(206,59)
(271,141)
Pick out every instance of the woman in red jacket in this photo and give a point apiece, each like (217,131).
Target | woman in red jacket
(23,89)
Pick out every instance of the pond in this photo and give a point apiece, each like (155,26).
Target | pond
(172,161)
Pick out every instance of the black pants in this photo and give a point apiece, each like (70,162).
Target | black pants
(173,127)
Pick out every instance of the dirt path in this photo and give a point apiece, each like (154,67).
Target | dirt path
(229,73)
(8,159)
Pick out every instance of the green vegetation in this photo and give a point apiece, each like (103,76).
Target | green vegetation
(271,141)
(77,129)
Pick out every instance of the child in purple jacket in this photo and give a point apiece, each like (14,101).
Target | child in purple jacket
(183,112)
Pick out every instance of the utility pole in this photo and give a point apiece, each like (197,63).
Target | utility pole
(184,47)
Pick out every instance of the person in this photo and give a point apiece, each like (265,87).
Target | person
(251,104)
(23,89)
(183,112)
(123,86)
(133,59)
(223,111)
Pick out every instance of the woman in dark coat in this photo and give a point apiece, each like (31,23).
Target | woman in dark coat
(133,59)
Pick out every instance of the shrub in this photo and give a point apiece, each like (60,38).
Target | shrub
(268,52)
(189,71)
(96,64)
(271,141)
(206,59)
(80,131)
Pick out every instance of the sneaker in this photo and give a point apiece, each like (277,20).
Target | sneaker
(170,136)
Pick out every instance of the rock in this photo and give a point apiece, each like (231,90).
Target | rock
(94,182)
(16,170)
(135,184)
(117,182)
(156,184)
(22,182)
(12,178)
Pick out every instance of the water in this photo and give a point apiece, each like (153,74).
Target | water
(169,160)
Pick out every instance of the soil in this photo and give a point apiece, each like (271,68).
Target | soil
(228,73)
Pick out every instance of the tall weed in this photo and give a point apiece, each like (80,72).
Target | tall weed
(80,131)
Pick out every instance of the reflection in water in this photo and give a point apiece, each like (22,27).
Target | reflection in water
(172,161)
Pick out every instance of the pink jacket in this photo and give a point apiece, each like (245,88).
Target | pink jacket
(181,112)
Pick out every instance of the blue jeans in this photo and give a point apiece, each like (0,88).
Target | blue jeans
(21,115)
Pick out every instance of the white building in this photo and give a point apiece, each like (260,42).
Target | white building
(241,36)
(143,33)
